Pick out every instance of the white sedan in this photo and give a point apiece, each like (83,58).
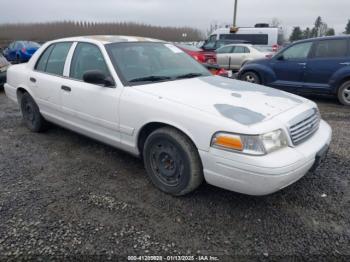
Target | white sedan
(149,98)
(233,57)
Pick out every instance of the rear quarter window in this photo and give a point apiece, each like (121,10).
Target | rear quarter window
(331,48)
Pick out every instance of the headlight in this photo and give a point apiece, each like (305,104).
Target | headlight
(249,144)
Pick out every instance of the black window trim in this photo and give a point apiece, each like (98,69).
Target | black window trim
(37,61)
(82,81)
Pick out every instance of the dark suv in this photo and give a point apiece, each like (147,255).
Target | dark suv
(319,65)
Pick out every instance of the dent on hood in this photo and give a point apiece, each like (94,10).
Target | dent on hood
(239,114)
(239,86)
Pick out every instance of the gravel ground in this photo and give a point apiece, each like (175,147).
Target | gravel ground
(65,196)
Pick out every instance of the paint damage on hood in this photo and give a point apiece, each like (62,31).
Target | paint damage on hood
(239,101)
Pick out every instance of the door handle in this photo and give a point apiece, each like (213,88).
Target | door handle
(346,63)
(32,79)
(302,64)
(66,88)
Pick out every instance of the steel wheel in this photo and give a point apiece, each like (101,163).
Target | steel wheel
(28,112)
(166,162)
(31,114)
(172,161)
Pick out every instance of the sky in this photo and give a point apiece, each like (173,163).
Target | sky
(194,13)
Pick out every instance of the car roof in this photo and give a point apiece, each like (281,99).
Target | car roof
(238,44)
(340,37)
(108,39)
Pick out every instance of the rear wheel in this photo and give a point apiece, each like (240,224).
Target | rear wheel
(172,162)
(344,93)
(31,114)
(251,77)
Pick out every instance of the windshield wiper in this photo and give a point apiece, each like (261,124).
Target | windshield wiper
(190,75)
(150,79)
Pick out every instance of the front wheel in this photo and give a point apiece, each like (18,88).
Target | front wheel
(251,77)
(31,114)
(344,94)
(172,162)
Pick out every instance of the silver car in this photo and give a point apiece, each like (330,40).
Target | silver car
(233,57)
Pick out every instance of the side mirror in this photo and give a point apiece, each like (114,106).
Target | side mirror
(96,77)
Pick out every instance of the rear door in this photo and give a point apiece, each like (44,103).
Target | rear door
(47,77)
(328,57)
(223,56)
(289,67)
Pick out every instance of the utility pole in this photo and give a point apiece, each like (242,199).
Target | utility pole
(235,14)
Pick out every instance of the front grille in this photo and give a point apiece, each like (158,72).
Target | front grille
(304,126)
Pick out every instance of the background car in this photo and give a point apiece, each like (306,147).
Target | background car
(233,57)
(20,51)
(214,45)
(319,65)
(4,64)
(261,34)
(198,54)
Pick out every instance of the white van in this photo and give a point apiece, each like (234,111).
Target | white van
(261,35)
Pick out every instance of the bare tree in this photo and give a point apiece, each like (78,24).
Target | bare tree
(42,32)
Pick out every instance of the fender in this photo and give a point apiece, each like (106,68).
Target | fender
(338,78)
(266,74)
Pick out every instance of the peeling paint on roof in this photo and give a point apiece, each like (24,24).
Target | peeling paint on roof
(108,39)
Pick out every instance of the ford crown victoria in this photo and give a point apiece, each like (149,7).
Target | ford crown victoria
(149,98)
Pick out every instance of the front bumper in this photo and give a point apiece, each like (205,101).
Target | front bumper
(263,175)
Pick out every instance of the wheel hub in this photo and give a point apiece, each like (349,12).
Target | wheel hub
(166,163)
(346,94)
(29,112)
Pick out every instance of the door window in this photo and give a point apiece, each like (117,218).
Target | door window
(41,64)
(224,50)
(240,50)
(87,57)
(57,58)
(298,51)
(331,48)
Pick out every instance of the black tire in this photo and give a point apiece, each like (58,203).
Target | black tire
(344,93)
(251,77)
(31,114)
(172,162)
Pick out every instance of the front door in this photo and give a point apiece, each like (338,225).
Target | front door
(289,67)
(90,107)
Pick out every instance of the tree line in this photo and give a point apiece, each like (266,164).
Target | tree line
(42,32)
(320,29)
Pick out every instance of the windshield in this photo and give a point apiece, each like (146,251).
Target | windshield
(147,62)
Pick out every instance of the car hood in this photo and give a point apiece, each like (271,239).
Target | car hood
(239,101)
